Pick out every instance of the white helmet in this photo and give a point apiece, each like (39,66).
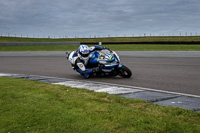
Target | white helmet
(84,50)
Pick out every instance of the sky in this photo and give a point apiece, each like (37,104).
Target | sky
(99,18)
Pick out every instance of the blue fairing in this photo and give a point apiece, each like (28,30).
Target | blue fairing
(94,58)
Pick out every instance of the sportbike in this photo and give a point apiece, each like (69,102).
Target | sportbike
(107,61)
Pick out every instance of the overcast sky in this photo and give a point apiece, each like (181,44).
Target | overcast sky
(98,17)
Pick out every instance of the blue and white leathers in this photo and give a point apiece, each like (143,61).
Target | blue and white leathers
(79,61)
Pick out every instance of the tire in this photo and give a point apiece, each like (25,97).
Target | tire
(125,72)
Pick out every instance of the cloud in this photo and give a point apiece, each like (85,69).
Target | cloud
(89,17)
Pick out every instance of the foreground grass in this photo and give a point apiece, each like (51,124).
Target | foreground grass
(30,106)
(107,39)
(123,47)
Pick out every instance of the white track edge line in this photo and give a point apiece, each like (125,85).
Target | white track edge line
(133,87)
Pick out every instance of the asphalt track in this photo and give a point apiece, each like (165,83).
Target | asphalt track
(176,74)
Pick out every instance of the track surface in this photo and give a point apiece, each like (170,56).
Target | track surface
(177,74)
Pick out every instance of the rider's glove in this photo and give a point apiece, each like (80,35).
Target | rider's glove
(67,54)
(106,48)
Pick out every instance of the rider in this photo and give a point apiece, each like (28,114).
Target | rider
(80,58)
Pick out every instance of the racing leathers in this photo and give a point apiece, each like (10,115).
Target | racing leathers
(80,63)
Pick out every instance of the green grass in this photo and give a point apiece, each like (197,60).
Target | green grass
(129,47)
(31,106)
(108,39)
(151,47)
(40,48)
(123,47)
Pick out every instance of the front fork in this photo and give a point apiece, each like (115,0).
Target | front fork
(119,70)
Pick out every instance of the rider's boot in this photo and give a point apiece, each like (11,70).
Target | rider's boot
(86,76)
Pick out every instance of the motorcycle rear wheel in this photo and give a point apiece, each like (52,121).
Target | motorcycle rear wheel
(125,72)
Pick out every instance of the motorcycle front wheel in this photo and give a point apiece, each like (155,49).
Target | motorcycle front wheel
(125,72)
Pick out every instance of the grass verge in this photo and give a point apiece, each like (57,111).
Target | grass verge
(31,106)
(106,39)
(123,47)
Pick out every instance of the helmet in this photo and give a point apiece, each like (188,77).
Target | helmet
(83,50)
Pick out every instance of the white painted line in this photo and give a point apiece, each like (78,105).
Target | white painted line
(169,92)
(5,75)
(130,87)
(149,89)
(117,90)
(139,88)
(99,87)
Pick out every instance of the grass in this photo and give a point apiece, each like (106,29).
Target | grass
(151,47)
(31,106)
(123,47)
(107,39)
(118,47)
(40,48)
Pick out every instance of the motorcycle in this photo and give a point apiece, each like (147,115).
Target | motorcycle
(107,61)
